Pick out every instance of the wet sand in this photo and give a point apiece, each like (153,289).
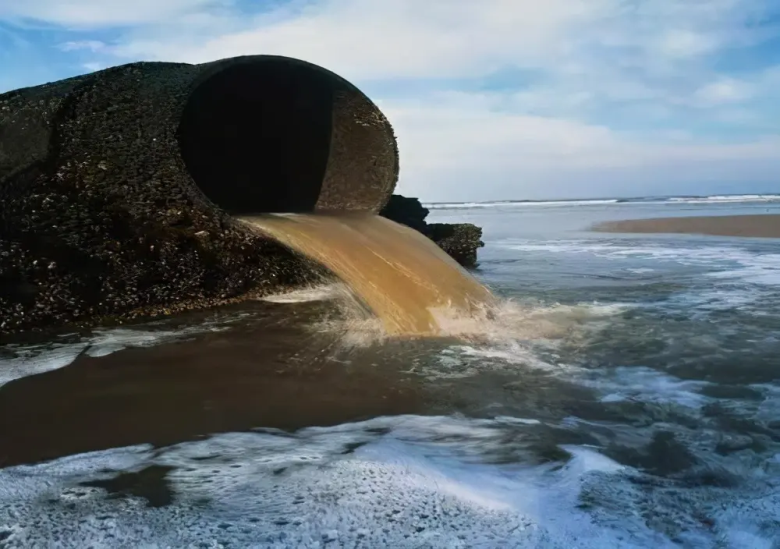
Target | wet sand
(255,375)
(754,226)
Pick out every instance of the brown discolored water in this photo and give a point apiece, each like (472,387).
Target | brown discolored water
(399,274)
(265,367)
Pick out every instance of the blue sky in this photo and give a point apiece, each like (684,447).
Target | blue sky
(491,99)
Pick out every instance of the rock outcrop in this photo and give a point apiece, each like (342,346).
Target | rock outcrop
(406,211)
(461,240)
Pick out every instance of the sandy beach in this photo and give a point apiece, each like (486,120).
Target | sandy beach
(757,226)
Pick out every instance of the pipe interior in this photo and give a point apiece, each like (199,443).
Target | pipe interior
(255,137)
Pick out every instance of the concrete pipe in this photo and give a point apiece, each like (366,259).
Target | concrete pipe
(117,187)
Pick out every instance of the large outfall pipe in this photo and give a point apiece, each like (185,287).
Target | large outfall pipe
(117,187)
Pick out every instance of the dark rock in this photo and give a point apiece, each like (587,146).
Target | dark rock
(116,188)
(461,241)
(406,211)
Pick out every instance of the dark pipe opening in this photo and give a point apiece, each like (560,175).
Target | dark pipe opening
(255,137)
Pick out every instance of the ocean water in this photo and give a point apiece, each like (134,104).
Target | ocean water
(625,394)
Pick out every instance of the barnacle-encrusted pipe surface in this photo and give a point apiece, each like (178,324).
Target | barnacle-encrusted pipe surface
(117,187)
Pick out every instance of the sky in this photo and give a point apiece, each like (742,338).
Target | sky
(490,99)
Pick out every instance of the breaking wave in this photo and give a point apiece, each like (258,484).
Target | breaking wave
(715,199)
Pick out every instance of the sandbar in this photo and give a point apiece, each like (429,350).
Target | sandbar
(751,226)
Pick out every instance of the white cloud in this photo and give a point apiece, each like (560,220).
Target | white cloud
(400,39)
(95,13)
(369,39)
(724,90)
(91,45)
(450,139)
(686,43)
(588,52)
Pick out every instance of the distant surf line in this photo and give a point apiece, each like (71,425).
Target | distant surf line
(709,199)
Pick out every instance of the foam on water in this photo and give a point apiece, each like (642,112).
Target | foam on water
(678,200)
(612,384)
(734,276)
(515,204)
(720,199)
(513,321)
(642,384)
(406,481)
(730,262)
(105,342)
(504,321)
(767,409)
(17,361)
(761,269)
(322,292)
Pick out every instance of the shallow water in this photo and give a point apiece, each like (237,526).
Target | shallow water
(626,394)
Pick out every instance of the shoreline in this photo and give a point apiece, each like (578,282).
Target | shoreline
(747,226)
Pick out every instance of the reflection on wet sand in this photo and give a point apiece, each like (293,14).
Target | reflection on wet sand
(225,381)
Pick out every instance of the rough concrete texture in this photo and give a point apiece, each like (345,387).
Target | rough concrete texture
(116,187)
(461,240)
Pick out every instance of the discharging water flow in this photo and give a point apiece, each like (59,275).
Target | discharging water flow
(402,276)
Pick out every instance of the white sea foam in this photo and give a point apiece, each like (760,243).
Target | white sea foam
(722,262)
(323,292)
(761,269)
(105,342)
(767,409)
(519,204)
(546,328)
(716,199)
(505,322)
(513,337)
(513,321)
(737,277)
(612,384)
(389,482)
(640,384)
(36,359)
(473,360)
(19,361)
(679,200)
